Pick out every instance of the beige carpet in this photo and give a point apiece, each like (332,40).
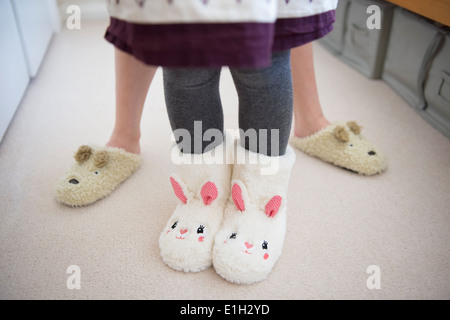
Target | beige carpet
(339,223)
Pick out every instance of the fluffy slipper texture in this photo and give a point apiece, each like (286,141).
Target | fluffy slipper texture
(202,186)
(251,238)
(342,144)
(97,171)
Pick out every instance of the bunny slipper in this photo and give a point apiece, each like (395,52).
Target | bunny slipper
(343,145)
(252,234)
(97,171)
(202,186)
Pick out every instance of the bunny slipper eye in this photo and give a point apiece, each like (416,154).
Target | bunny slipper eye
(233,235)
(265,246)
(200,229)
(174,225)
(96,172)
(350,145)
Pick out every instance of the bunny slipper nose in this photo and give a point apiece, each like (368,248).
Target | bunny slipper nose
(371,153)
(74,181)
(182,234)
(247,248)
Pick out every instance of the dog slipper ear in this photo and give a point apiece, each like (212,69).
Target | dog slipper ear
(341,133)
(239,195)
(273,206)
(83,154)
(179,188)
(356,128)
(101,158)
(209,192)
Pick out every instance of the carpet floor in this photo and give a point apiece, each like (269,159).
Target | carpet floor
(339,223)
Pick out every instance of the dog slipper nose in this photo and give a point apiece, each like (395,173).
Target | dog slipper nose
(73,181)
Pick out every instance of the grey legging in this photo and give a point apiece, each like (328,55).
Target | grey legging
(265,102)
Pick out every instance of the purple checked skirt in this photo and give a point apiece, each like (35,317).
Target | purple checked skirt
(214,33)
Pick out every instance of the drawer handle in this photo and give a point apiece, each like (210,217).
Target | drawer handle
(444,87)
(359,36)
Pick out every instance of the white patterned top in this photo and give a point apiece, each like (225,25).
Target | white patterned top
(215,11)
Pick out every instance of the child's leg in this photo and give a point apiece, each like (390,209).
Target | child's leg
(251,238)
(202,186)
(265,102)
(133,78)
(193,105)
(309,117)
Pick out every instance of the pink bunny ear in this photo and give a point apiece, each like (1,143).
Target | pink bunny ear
(178,189)
(236,194)
(209,193)
(273,206)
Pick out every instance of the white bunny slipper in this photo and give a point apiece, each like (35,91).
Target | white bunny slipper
(251,237)
(202,185)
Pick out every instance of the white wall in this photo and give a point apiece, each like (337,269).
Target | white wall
(90,9)
(27,29)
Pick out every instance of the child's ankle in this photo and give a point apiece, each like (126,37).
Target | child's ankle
(127,143)
(306,127)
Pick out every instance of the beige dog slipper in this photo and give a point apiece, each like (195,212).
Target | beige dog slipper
(95,174)
(343,145)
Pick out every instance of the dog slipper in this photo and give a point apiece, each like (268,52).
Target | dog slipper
(95,174)
(343,145)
